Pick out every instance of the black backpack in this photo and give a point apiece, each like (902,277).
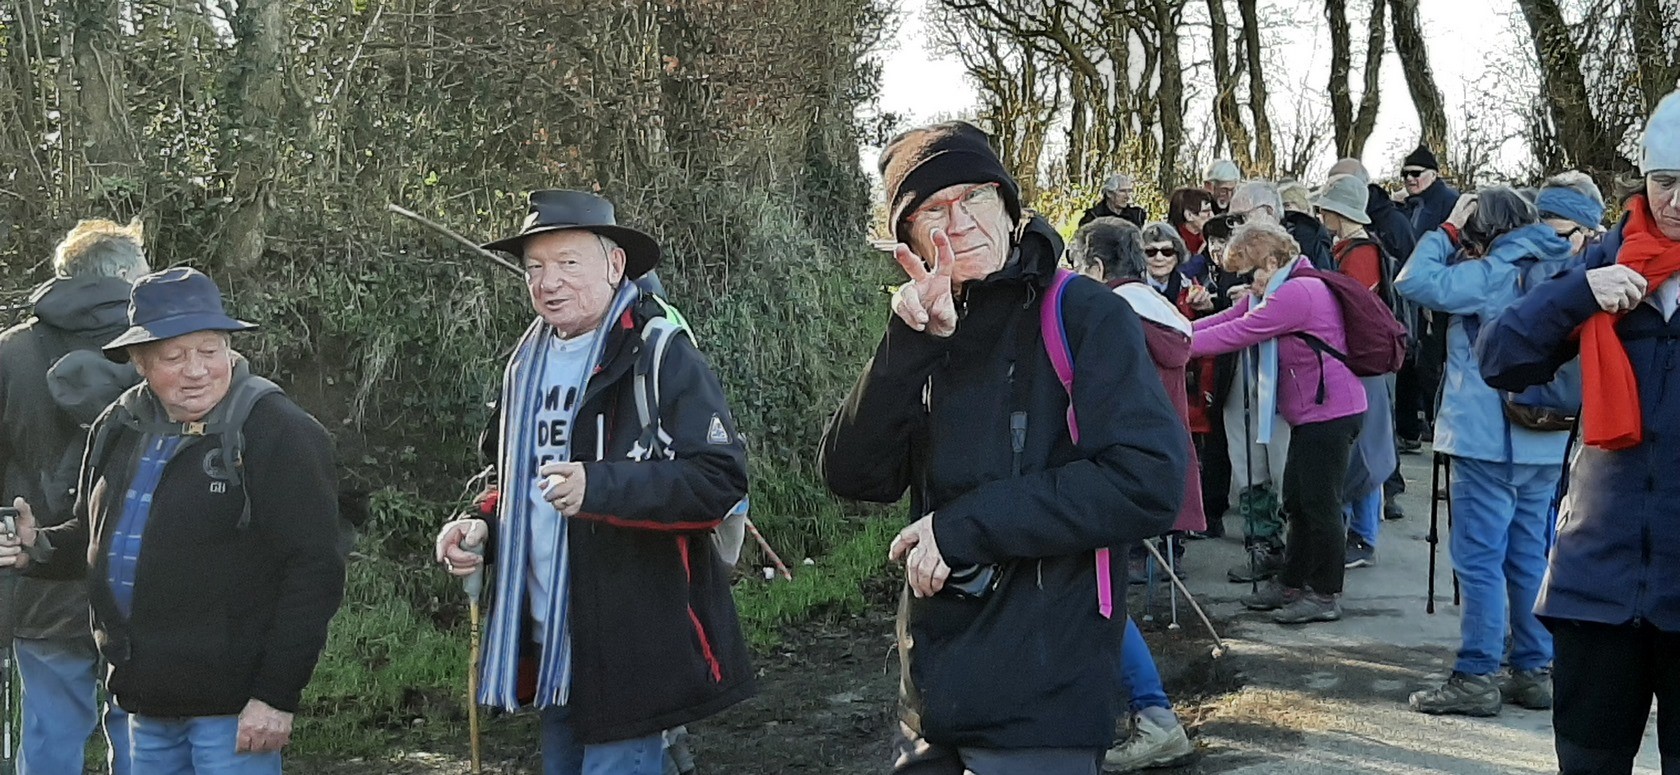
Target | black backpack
(82,382)
(227,420)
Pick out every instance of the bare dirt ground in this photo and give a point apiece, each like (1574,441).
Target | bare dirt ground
(826,704)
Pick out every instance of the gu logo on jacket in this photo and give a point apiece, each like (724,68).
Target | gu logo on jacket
(716,434)
(218,474)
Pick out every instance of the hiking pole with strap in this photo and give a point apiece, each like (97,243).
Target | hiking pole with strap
(1434,535)
(474,587)
(1446,463)
(1172,594)
(1248,478)
(8,612)
(1218,643)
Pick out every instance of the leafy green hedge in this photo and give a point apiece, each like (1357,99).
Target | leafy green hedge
(399,354)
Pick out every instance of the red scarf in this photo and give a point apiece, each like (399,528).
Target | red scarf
(1610,412)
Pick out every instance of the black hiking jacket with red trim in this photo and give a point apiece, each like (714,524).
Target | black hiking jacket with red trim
(656,642)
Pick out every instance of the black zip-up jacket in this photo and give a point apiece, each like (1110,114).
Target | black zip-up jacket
(1132,213)
(656,642)
(221,615)
(1032,663)
(36,436)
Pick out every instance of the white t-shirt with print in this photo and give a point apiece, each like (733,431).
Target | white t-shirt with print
(568,360)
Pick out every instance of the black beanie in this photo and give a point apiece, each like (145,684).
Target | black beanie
(919,163)
(1422,157)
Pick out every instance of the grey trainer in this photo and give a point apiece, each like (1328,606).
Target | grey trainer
(1310,607)
(1461,695)
(1530,689)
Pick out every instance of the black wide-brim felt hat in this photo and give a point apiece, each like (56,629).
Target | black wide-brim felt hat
(174,302)
(561,210)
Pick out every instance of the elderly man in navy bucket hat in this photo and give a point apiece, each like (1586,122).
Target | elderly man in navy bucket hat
(207,523)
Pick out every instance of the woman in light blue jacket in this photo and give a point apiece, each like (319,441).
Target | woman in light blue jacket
(1503,476)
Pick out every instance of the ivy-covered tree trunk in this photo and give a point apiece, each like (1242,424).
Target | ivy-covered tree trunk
(1420,78)
(1265,142)
(1225,111)
(255,101)
(100,100)
(1585,140)
(1352,129)
(1370,100)
(1169,100)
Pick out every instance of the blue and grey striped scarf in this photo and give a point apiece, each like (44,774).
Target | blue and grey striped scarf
(522,386)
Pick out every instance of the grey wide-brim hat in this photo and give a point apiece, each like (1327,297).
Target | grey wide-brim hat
(174,302)
(1346,196)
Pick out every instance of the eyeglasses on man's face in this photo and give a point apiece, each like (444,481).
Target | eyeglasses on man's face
(975,200)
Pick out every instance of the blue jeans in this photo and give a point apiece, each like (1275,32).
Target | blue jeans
(1498,540)
(1364,514)
(60,708)
(197,745)
(564,755)
(1138,673)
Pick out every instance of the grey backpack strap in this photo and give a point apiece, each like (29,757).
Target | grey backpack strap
(656,338)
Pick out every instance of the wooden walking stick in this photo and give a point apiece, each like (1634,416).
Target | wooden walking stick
(474,587)
(450,234)
(781,568)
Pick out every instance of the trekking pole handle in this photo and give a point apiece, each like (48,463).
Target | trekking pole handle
(474,583)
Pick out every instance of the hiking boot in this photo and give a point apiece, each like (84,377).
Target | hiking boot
(1530,689)
(1392,510)
(1360,554)
(1155,742)
(1310,607)
(1461,695)
(1271,596)
(1265,564)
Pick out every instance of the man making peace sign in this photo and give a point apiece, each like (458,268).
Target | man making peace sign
(1008,655)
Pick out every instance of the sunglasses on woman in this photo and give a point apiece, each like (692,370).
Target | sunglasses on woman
(1160,252)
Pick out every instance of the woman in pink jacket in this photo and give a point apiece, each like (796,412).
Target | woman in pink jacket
(1318,396)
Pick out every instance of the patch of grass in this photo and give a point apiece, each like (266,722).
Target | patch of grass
(397,651)
(834,585)
(387,664)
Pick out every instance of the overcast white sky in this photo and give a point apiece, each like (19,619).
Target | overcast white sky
(1463,36)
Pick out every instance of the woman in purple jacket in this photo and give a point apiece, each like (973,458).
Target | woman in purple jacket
(1318,396)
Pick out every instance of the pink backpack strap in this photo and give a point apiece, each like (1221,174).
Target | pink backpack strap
(1054,332)
(1056,342)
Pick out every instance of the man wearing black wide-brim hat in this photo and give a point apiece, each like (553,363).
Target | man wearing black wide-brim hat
(609,593)
(207,522)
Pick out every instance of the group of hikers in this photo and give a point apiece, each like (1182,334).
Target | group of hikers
(1266,350)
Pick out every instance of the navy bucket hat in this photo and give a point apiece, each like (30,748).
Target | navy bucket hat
(171,303)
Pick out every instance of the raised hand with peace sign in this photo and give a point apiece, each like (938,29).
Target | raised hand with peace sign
(925,303)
